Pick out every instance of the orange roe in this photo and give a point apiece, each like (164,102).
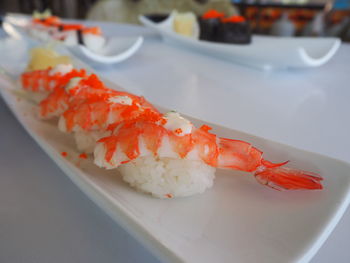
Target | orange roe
(49,21)
(233,19)
(52,20)
(83,156)
(93,30)
(93,81)
(178,131)
(64,154)
(67,27)
(168,195)
(111,145)
(212,14)
(206,128)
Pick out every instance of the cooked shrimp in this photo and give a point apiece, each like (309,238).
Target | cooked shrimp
(171,136)
(40,80)
(73,88)
(89,121)
(98,107)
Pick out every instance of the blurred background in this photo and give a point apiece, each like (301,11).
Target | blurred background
(268,17)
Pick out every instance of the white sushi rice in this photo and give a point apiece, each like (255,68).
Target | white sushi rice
(94,42)
(168,177)
(70,38)
(86,140)
(35,97)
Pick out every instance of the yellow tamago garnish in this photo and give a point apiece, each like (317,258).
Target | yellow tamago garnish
(43,15)
(184,24)
(41,58)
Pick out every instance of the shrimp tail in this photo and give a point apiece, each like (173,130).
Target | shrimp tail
(283,178)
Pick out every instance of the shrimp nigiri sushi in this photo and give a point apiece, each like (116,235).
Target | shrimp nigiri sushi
(89,115)
(40,83)
(47,71)
(167,156)
(72,35)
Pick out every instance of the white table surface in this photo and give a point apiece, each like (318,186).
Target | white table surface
(45,218)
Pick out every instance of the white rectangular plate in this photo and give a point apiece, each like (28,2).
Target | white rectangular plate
(238,220)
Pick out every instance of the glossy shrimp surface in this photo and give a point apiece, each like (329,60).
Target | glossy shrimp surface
(100,113)
(95,107)
(73,89)
(40,80)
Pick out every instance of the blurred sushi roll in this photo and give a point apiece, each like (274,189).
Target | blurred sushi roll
(235,30)
(46,27)
(209,23)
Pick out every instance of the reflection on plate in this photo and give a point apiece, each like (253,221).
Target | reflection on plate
(265,52)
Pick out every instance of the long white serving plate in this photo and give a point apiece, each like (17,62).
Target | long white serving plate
(265,52)
(238,220)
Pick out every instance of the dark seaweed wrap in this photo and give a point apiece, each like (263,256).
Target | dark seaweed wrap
(208,28)
(236,33)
